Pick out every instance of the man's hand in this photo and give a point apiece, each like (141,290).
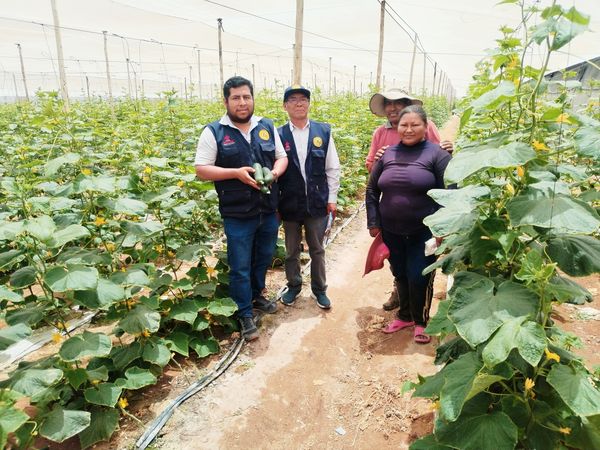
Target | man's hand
(332,208)
(374,231)
(380,153)
(244,175)
(447,145)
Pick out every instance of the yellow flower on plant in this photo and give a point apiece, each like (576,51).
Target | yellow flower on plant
(95,382)
(148,169)
(159,248)
(123,403)
(56,338)
(435,405)
(539,146)
(180,183)
(551,356)
(60,326)
(564,430)
(99,221)
(146,333)
(529,384)
(86,171)
(110,246)
(211,272)
(520,171)
(510,189)
(171,254)
(563,118)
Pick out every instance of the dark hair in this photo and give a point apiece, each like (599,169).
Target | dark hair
(236,82)
(417,109)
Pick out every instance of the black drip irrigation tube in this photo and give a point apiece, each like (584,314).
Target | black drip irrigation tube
(159,422)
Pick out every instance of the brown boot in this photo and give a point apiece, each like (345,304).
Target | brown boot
(393,302)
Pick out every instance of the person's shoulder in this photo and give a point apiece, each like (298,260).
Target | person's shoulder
(322,124)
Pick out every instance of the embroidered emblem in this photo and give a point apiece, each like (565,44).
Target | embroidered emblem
(317,141)
(287,147)
(264,135)
(227,140)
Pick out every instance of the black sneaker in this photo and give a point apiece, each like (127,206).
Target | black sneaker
(323,301)
(249,330)
(264,305)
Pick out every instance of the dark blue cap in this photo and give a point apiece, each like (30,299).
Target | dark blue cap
(295,89)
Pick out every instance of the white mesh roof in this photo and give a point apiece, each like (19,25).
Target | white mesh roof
(161,39)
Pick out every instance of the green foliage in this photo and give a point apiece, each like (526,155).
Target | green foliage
(526,206)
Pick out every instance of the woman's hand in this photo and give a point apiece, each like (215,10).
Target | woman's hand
(374,231)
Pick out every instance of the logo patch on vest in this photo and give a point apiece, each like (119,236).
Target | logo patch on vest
(227,140)
(317,141)
(264,135)
(287,146)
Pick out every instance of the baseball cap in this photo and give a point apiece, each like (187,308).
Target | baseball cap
(377,102)
(295,89)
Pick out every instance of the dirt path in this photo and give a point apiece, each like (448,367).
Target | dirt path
(314,372)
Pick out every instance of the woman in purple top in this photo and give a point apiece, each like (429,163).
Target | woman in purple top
(397,202)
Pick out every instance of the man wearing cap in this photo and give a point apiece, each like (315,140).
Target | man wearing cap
(389,104)
(307,193)
(227,149)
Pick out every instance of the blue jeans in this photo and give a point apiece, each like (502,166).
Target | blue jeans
(250,247)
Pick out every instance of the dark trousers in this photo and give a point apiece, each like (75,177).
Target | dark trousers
(407,260)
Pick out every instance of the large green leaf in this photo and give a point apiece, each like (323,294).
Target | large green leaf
(131,277)
(139,319)
(204,347)
(575,255)
(206,290)
(478,310)
(587,435)
(163,194)
(10,258)
(124,355)
(52,166)
(136,378)
(73,277)
(428,443)
(588,142)
(104,422)
(126,205)
(185,311)
(222,307)
(100,183)
(34,382)
(451,219)
(103,297)
(104,394)
(31,314)
(23,277)
(9,230)
(68,234)
(156,353)
(493,431)
(528,338)
(41,228)
(61,424)
(492,98)
(192,252)
(467,163)
(467,197)
(440,323)
(11,335)
(559,213)
(11,419)
(143,229)
(11,296)
(178,341)
(85,344)
(575,389)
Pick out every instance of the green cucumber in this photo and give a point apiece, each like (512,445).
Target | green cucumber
(265,190)
(258,174)
(268,176)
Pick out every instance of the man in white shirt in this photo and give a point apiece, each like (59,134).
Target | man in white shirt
(226,151)
(307,193)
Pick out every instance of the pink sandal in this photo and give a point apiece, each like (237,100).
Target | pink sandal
(420,336)
(397,325)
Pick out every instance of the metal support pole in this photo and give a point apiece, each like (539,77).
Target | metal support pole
(220,28)
(412,65)
(108,80)
(298,42)
(61,62)
(380,52)
(23,72)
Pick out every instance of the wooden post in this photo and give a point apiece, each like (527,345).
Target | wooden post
(434,77)
(128,78)
(412,66)
(298,42)
(380,52)
(110,94)
(330,76)
(220,27)
(61,62)
(354,81)
(23,72)
(16,89)
(87,86)
(199,76)
(424,72)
